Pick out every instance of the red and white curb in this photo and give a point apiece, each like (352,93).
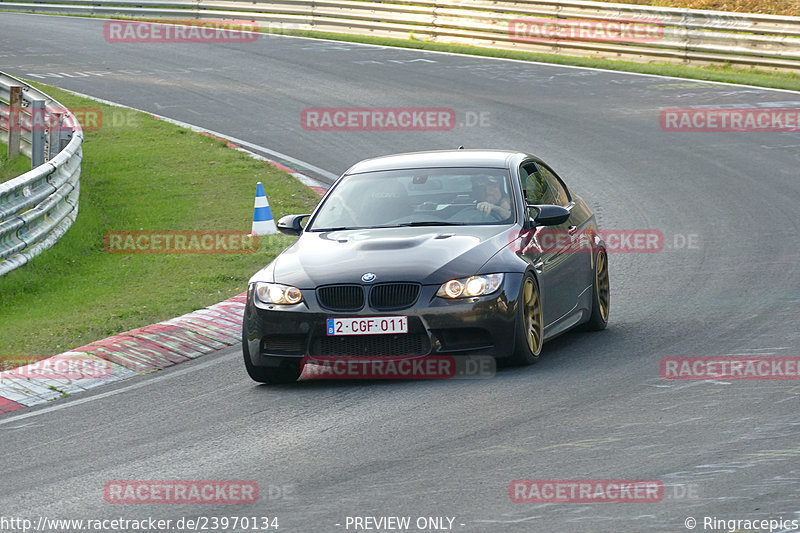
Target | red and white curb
(126,355)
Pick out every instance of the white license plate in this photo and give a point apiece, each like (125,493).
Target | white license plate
(368,325)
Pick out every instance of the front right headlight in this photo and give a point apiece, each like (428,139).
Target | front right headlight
(277,293)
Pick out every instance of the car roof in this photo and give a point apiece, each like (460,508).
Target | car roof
(441,158)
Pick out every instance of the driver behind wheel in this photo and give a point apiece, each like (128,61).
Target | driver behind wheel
(492,200)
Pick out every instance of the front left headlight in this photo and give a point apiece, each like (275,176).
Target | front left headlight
(277,293)
(471,286)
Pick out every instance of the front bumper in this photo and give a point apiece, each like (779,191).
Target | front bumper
(483,325)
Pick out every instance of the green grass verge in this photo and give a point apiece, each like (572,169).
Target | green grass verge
(140,173)
(11,168)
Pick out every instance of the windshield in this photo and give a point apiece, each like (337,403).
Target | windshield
(417,197)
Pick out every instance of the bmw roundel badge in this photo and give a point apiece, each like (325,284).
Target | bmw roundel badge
(369,276)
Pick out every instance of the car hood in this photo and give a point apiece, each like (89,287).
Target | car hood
(425,254)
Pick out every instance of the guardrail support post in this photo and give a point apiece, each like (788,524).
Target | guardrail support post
(14,105)
(56,127)
(38,123)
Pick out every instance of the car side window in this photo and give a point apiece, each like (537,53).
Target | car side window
(558,194)
(534,188)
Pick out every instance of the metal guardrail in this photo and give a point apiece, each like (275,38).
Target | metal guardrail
(547,26)
(38,207)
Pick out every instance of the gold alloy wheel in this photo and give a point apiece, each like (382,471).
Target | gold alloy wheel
(601,282)
(532,309)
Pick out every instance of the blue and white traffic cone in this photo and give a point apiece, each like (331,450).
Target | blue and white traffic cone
(263,223)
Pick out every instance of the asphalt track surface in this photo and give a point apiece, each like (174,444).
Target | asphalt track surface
(595,406)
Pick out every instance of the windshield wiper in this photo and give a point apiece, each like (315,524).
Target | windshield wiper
(403,225)
(340,228)
(430,223)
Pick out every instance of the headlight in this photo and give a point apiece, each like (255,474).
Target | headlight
(471,286)
(275,293)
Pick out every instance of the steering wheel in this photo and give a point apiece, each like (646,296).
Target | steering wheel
(473,214)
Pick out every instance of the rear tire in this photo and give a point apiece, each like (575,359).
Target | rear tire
(601,294)
(530,324)
(287,372)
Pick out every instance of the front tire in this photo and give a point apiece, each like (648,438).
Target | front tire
(601,294)
(530,324)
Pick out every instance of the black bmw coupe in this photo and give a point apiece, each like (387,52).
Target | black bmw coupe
(440,253)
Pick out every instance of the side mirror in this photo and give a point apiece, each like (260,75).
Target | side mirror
(548,215)
(291,224)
